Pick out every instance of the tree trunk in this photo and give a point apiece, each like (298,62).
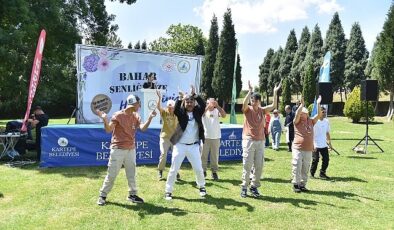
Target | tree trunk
(345,94)
(391,109)
(340,92)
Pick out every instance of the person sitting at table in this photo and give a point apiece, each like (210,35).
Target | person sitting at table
(150,84)
(38,120)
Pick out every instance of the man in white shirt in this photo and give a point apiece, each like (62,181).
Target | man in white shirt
(212,134)
(321,141)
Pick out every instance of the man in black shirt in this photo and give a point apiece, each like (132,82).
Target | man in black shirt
(150,84)
(39,119)
(289,126)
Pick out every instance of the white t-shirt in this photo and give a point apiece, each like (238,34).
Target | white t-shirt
(320,130)
(190,135)
(211,123)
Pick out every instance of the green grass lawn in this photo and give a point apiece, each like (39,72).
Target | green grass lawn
(359,196)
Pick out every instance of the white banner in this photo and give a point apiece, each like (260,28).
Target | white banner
(106,76)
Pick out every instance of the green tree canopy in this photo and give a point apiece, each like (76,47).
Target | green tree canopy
(265,72)
(299,57)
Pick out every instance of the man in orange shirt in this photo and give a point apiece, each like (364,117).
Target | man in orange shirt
(253,139)
(123,126)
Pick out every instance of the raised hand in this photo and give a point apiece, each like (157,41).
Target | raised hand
(101,114)
(250,87)
(318,99)
(192,90)
(153,113)
(158,93)
(302,101)
(278,86)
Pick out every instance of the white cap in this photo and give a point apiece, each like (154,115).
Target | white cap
(170,103)
(131,100)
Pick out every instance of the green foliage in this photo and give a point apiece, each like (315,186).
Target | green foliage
(356,58)
(335,42)
(125,1)
(182,39)
(286,95)
(143,45)
(265,72)
(299,57)
(314,54)
(137,46)
(225,59)
(208,65)
(238,75)
(310,108)
(274,76)
(309,85)
(355,108)
(288,55)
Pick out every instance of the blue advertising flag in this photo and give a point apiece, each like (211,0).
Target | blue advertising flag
(324,75)
(314,108)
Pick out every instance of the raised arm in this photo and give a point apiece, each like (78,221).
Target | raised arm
(317,116)
(274,104)
(158,104)
(245,106)
(108,126)
(145,125)
(298,112)
(221,110)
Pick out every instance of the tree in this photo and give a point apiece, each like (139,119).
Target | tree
(182,39)
(356,58)
(288,55)
(309,85)
(299,57)
(143,45)
(355,108)
(313,54)
(274,76)
(238,75)
(265,72)
(335,42)
(137,46)
(286,95)
(225,59)
(208,65)
(385,58)
(125,1)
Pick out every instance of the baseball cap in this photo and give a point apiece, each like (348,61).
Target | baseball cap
(305,110)
(170,103)
(131,100)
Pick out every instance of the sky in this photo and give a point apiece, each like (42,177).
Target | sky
(259,24)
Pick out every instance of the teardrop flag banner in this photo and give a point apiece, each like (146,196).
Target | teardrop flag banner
(35,76)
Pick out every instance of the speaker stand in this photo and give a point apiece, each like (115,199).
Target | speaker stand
(366,138)
(72,114)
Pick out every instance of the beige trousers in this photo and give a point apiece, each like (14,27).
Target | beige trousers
(211,148)
(165,145)
(118,158)
(253,155)
(301,163)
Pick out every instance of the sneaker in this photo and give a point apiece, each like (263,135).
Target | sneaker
(168,196)
(303,189)
(324,176)
(254,191)
(296,189)
(205,174)
(215,176)
(135,199)
(244,192)
(178,176)
(160,174)
(203,192)
(101,200)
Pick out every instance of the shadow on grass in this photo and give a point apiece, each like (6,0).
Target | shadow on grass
(297,202)
(277,180)
(341,195)
(147,209)
(362,157)
(347,179)
(352,139)
(220,203)
(1,195)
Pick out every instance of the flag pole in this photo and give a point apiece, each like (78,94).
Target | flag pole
(233,117)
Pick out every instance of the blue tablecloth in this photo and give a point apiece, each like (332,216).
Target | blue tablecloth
(88,145)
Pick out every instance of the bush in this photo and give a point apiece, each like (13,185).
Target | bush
(355,108)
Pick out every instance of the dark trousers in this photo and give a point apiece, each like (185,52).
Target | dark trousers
(315,160)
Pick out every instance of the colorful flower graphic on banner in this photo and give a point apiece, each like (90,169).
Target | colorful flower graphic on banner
(99,60)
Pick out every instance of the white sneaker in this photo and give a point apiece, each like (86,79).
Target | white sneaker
(168,196)
(203,192)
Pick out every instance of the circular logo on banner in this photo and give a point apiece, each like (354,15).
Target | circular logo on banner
(152,104)
(101,102)
(168,65)
(62,141)
(183,66)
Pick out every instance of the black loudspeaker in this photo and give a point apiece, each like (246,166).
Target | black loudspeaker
(325,90)
(369,90)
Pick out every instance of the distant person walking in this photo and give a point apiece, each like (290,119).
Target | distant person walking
(289,126)
(275,128)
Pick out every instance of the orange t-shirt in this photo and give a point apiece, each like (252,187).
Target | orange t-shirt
(123,135)
(303,135)
(254,122)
